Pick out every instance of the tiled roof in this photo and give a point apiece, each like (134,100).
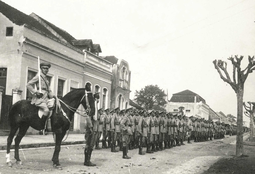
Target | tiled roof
(186,96)
(20,18)
(111,59)
(97,48)
(68,38)
(83,42)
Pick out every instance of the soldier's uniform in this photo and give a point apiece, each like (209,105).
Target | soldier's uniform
(107,132)
(126,132)
(165,139)
(157,130)
(152,130)
(169,131)
(100,126)
(115,128)
(175,124)
(132,125)
(142,132)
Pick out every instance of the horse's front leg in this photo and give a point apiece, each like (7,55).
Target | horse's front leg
(58,139)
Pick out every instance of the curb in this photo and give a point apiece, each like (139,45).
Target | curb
(24,146)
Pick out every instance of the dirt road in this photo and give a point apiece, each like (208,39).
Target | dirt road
(189,158)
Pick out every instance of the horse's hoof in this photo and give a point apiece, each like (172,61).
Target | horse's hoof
(9,164)
(57,166)
(19,162)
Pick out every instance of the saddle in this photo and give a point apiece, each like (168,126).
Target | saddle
(51,103)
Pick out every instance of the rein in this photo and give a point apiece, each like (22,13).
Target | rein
(75,110)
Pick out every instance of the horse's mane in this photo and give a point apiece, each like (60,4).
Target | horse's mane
(72,94)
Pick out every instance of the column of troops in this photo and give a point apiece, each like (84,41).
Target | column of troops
(151,131)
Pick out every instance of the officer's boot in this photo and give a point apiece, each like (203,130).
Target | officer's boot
(125,150)
(141,151)
(87,162)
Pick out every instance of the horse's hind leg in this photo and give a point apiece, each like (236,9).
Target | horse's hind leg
(9,142)
(22,131)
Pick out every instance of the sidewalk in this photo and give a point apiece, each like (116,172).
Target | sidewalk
(29,141)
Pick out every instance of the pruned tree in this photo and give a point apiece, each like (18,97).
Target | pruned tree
(151,97)
(250,111)
(239,77)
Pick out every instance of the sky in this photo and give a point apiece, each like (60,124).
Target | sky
(169,43)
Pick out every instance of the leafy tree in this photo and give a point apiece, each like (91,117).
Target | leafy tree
(237,81)
(151,97)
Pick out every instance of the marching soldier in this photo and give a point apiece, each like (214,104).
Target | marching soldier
(169,131)
(178,123)
(175,131)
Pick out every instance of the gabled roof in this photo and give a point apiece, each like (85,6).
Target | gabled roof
(96,48)
(83,42)
(186,96)
(20,18)
(112,59)
(66,36)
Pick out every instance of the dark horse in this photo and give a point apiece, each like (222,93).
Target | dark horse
(23,114)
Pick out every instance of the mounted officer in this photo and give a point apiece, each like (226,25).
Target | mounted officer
(39,87)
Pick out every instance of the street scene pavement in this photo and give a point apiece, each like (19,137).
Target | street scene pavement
(196,158)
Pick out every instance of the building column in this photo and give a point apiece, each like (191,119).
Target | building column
(16,95)
(1,98)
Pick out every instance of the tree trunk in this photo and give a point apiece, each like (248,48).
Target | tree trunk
(251,126)
(239,137)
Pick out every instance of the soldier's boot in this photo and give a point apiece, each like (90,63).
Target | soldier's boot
(148,149)
(169,144)
(97,145)
(189,141)
(87,162)
(121,146)
(141,151)
(113,148)
(182,142)
(160,146)
(165,145)
(153,147)
(210,137)
(177,142)
(125,150)
(109,144)
(156,147)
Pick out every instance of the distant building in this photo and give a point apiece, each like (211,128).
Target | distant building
(121,76)
(194,104)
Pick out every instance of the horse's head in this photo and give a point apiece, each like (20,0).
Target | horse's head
(88,102)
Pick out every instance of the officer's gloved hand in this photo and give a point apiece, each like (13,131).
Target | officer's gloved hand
(38,94)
